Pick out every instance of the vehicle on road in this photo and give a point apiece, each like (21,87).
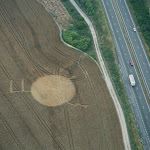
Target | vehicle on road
(132,80)
(134,29)
(131,63)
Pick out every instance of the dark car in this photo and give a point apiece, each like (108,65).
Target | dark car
(131,63)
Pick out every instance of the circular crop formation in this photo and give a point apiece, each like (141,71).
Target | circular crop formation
(53,90)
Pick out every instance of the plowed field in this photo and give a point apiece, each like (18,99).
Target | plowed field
(52,97)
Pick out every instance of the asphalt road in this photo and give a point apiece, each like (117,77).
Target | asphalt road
(136,95)
(136,43)
(107,79)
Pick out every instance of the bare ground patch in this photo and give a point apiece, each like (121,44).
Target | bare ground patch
(58,12)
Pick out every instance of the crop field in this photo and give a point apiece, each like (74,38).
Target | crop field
(52,96)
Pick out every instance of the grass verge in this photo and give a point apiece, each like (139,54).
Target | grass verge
(132,52)
(94,9)
(78,34)
(141,15)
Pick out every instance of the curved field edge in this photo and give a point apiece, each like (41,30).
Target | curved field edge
(94,10)
(78,34)
(44,63)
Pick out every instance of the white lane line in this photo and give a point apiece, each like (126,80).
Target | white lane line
(135,40)
(145,55)
(137,33)
(143,107)
(146,71)
(141,114)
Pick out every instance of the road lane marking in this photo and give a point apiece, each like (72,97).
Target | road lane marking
(109,21)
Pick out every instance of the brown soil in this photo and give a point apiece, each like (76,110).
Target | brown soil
(31,52)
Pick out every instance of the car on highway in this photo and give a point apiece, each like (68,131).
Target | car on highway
(134,29)
(131,63)
(132,80)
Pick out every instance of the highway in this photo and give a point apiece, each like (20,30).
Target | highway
(107,78)
(137,99)
(135,41)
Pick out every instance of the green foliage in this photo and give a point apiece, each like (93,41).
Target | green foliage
(72,37)
(110,60)
(142,15)
(78,35)
(89,6)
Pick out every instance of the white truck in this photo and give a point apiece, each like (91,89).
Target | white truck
(132,81)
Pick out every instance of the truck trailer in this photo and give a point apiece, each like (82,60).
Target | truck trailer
(132,80)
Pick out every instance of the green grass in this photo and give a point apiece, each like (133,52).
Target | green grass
(141,13)
(94,9)
(108,52)
(78,35)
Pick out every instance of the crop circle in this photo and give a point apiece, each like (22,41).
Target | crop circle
(53,90)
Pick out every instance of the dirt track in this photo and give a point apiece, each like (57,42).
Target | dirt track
(30,48)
